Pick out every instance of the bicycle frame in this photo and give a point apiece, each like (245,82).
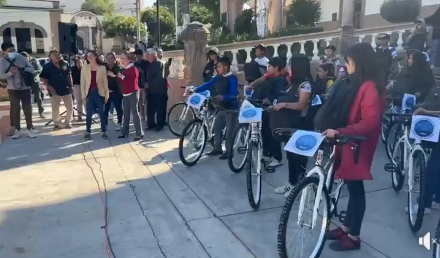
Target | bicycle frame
(319,170)
(255,133)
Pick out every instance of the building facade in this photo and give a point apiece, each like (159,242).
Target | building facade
(32,26)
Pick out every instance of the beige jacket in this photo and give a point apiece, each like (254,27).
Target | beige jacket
(101,81)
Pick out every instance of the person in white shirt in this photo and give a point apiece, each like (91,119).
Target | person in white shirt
(260,58)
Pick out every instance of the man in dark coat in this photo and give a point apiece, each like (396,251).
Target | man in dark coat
(157,91)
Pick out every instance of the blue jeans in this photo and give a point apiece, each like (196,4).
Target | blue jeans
(433,177)
(435,49)
(95,102)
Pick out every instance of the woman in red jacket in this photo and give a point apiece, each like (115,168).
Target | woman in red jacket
(128,79)
(355,109)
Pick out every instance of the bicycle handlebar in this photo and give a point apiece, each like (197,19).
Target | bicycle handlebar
(340,138)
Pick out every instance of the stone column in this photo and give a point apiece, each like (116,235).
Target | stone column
(195,38)
(277,13)
(14,37)
(90,38)
(347,26)
(33,41)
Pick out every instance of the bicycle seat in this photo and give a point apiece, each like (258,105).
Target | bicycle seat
(401,118)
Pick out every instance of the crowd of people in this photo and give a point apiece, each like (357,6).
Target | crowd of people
(134,84)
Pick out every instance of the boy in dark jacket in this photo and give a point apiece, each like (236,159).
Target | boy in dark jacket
(386,54)
(224,94)
(418,37)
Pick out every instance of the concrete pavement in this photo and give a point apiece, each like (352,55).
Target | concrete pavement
(50,206)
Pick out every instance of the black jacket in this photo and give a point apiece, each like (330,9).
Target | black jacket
(156,77)
(208,72)
(76,75)
(434,21)
(270,89)
(113,84)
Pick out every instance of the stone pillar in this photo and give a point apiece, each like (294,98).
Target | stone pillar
(195,38)
(347,26)
(14,37)
(90,38)
(277,13)
(33,41)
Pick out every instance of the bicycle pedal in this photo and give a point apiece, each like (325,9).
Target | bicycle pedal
(342,216)
(390,167)
(241,150)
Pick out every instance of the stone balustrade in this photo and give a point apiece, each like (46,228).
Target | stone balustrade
(312,44)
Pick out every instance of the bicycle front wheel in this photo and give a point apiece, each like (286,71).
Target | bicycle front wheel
(253,174)
(397,176)
(179,115)
(391,140)
(197,136)
(303,195)
(238,151)
(416,195)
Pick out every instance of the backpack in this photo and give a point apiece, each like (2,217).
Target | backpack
(28,77)
(252,71)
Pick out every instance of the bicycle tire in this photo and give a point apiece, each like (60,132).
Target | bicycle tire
(285,214)
(170,127)
(384,130)
(255,204)
(398,173)
(231,164)
(418,156)
(187,130)
(389,146)
(436,248)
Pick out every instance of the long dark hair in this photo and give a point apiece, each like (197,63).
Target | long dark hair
(98,60)
(299,70)
(420,69)
(335,112)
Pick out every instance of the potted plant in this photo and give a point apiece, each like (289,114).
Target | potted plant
(400,11)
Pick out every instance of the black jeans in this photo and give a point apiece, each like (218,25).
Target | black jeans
(356,207)
(156,109)
(114,98)
(25,97)
(38,98)
(272,147)
(298,163)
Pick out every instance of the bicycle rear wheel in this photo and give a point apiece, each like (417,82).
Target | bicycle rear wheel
(179,115)
(253,174)
(392,137)
(198,136)
(238,151)
(305,186)
(416,197)
(397,176)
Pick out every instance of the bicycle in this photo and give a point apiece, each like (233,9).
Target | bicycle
(436,243)
(182,116)
(407,157)
(325,192)
(254,161)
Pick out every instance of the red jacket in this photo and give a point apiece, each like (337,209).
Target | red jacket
(365,119)
(130,82)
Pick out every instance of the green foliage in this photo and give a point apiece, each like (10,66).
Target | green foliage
(167,25)
(3,2)
(121,26)
(212,5)
(304,12)
(201,14)
(244,23)
(399,11)
(99,7)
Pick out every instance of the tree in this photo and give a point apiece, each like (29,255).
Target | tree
(122,26)
(201,14)
(3,2)
(167,25)
(244,23)
(304,13)
(212,5)
(99,7)
(400,11)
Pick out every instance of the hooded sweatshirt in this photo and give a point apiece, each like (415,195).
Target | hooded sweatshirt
(418,38)
(15,82)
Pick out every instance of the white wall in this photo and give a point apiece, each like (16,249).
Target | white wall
(40,18)
(328,8)
(123,7)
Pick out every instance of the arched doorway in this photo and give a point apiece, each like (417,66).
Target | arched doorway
(26,36)
(39,41)
(89,30)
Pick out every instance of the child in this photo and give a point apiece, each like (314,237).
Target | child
(331,58)
(224,93)
(325,79)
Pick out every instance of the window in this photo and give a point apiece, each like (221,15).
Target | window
(334,16)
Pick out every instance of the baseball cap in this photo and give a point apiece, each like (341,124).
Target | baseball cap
(383,36)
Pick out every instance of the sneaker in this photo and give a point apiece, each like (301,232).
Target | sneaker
(427,210)
(42,116)
(87,136)
(214,153)
(275,163)
(283,189)
(335,234)
(118,127)
(104,136)
(435,206)
(32,133)
(224,156)
(345,243)
(16,134)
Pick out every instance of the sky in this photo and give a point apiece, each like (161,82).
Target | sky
(149,2)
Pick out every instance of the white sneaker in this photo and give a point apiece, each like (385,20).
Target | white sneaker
(110,116)
(16,134)
(435,206)
(427,210)
(32,133)
(118,127)
(283,189)
(275,163)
